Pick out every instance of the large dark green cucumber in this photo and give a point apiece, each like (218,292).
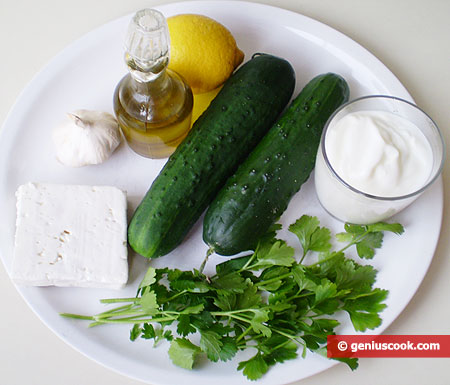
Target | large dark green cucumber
(260,190)
(246,107)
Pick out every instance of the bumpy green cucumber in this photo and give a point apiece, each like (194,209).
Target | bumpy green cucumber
(222,137)
(260,190)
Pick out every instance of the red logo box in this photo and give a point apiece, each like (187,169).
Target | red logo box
(388,346)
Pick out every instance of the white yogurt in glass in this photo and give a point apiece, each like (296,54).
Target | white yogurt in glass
(377,155)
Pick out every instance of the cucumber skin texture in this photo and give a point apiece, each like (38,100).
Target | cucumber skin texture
(244,110)
(260,190)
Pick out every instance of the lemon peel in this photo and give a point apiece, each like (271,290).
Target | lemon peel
(202,50)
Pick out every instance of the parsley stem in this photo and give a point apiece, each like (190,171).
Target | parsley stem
(355,241)
(117,309)
(76,316)
(291,337)
(336,253)
(296,339)
(175,296)
(230,312)
(358,239)
(247,264)
(208,253)
(117,300)
(131,320)
(330,257)
(281,345)
(303,256)
(243,268)
(246,331)
(299,296)
(119,313)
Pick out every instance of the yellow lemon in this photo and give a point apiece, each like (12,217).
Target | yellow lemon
(202,101)
(202,50)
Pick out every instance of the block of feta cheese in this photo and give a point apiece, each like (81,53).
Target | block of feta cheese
(70,235)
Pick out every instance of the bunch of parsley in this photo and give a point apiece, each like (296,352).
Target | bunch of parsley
(266,301)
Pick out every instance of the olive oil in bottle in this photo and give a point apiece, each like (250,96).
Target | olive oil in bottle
(153,104)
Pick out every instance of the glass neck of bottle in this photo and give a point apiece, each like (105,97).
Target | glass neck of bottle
(147,45)
(146,71)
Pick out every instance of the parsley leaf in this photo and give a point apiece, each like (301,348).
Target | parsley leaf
(229,349)
(279,254)
(211,344)
(311,235)
(351,362)
(233,282)
(364,309)
(183,353)
(135,332)
(301,278)
(148,331)
(395,228)
(225,301)
(184,326)
(260,316)
(231,265)
(149,278)
(367,238)
(254,368)
(366,246)
(250,298)
(325,290)
(354,277)
(149,302)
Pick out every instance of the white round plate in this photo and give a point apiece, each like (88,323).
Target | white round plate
(84,75)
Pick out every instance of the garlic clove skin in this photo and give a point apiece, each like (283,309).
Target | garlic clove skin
(86,138)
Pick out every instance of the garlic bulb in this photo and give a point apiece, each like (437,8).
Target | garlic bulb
(86,137)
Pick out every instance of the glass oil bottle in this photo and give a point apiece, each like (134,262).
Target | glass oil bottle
(153,104)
